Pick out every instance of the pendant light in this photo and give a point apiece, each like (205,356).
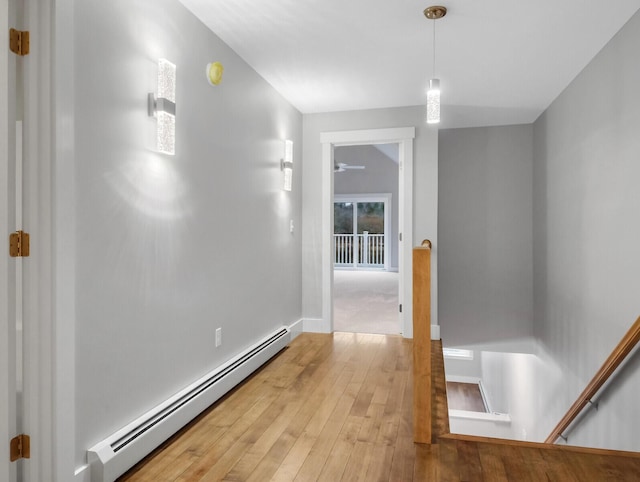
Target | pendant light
(433,92)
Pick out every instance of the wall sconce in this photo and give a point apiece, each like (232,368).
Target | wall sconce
(286,164)
(163,108)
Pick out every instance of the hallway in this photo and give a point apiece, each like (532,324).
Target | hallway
(329,407)
(338,406)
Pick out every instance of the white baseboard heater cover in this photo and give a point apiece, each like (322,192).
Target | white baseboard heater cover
(118,453)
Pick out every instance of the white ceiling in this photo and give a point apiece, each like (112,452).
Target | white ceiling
(499,61)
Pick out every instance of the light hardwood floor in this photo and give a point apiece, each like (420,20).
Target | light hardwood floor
(465,396)
(338,408)
(329,407)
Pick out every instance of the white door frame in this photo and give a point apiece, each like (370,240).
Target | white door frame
(38,292)
(403,136)
(50,193)
(49,213)
(384,198)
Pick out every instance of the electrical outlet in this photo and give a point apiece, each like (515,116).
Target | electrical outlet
(218,337)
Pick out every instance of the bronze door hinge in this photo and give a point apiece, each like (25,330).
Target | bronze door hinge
(19,244)
(20,447)
(19,41)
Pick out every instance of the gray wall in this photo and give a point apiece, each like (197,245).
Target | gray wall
(425,186)
(172,247)
(379,176)
(485,235)
(586,237)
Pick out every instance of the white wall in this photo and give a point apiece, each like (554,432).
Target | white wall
(586,233)
(425,188)
(510,384)
(171,247)
(379,176)
(485,235)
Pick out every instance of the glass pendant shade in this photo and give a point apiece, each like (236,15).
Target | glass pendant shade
(433,102)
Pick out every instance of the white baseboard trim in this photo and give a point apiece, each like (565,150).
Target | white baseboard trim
(485,397)
(489,417)
(113,456)
(296,328)
(82,474)
(463,379)
(315,325)
(435,332)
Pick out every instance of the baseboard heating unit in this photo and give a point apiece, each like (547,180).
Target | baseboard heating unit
(118,453)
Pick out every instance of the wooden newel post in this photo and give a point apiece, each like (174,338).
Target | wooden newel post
(422,343)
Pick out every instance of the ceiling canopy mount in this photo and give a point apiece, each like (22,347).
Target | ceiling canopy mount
(435,12)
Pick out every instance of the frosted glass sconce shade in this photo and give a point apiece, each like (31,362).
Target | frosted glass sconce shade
(433,102)
(163,108)
(287,164)
(166,80)
(166,133)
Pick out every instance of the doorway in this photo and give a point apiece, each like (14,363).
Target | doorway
(403,138)
(365,222)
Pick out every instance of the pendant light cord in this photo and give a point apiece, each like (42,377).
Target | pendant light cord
(434,49)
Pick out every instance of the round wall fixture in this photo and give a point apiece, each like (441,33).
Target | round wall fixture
(214,73)
(435,12)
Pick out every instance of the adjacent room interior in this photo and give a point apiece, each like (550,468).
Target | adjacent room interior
(365,234)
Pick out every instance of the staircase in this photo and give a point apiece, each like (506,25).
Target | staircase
(453,457)
(443,456)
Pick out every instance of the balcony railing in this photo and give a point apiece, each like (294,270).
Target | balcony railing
(359,250)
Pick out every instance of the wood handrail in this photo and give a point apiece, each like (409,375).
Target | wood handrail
(619,353)
(422,343)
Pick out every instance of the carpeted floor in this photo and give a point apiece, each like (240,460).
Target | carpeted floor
(365,302)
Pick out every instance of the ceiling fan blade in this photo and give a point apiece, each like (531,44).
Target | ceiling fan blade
(341,167)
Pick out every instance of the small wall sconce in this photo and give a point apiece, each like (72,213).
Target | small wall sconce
(286,164)
(163,108)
